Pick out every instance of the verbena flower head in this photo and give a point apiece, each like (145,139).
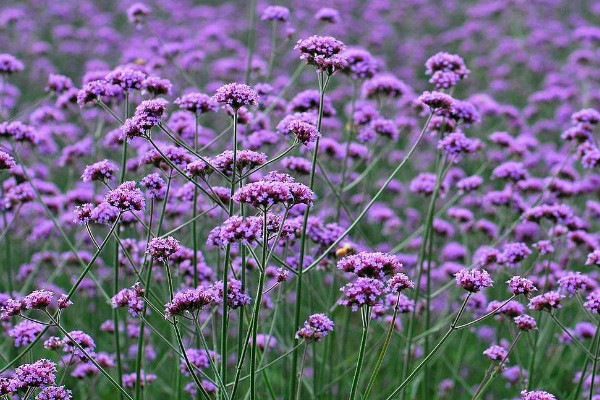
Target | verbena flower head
(276,13)
(445,70)
(100,171)
(191,300)
(437,100)
(525,322)
(132,299)
(592,303)
(54,393)
(473,280)
(236,95)
(138,13)
(303,131)
(10,64)
(156,85)
(197,103)
(38,299)
(162,248)
(399,282)
(40,373)
(58,84)
(573,282)
(362,292)
(315,328)
(236,298)
(126,197)
(496,353)
(94,90)
(519,285)
(372,265)
(360,64)
(80,340)
(536,395)
(126,78)
(6,161)
(546,301)
(268,192)
(384,85)
(316,50)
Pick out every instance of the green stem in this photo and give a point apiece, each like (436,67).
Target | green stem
(322,87)
(225,316)
(366,319)
(433,351)
(381,357)
(257,304)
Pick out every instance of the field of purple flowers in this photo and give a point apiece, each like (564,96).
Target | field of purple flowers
(376,199)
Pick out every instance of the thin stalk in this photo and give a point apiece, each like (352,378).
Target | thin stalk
(594,366)
(301,372)
(257,303)
(90,358)
(180,340)
(433,351)
(366,319)
(140,345)
(225,316)
(381,357)
(322,87)
(364,211)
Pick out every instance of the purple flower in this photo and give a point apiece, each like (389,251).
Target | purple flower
(445,70)
(58,84)
(54,393)
(38,299)
(362,292)
(80,340)
(126,197)
(456,144)
(586,116)
(525,322)
(40,373)
(92,91)
(384,85)
(303,131)
(536,395)
(197,103)
(437,100)
(328,14)
(126,78)
(236,95)
(191,300)
(236,298)
(398,283)
(6,161)
(25,332)
(496,353)
(473,280)
(546,301)
(137,13)
(315,328)
(360,64)
(276,13)
(10,64)
(157,86)
(162,248)
(316,49)
(101,171)
(519,285)
(132,299)
(372,265)
(572,282)
(592,303)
